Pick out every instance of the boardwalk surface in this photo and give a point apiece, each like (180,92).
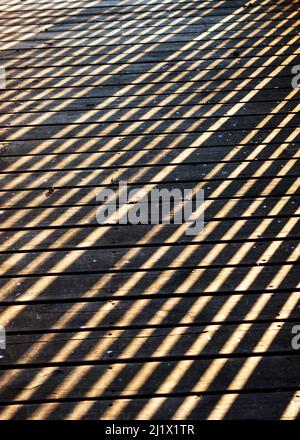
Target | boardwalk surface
(145,321)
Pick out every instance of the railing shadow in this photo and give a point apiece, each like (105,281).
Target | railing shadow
(141,321)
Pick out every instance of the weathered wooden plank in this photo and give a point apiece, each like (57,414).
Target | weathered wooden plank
(88,175)
(47,71)
(146,52)
(157,88)
(153,378)
(154,16)
(226,311)
(231,159)
(13,156)
(92,38)
(232,406)
(87,4)
(210,76)
(114,236)
(178,26)
(154,113)
(35,6)
(184,24)
(121,15)
(267,20)
(139,9)
(142,101)
(153,257)
(139,127)
(145,26)
(237,279)
(199,148)
(275,210)
(68,196)
(128,21)
(116,345)
(235,139)
(113,11)
(185,40)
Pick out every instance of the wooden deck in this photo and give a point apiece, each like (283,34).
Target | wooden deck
(144,321)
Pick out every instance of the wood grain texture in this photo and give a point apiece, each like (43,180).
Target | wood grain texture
(144,321)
